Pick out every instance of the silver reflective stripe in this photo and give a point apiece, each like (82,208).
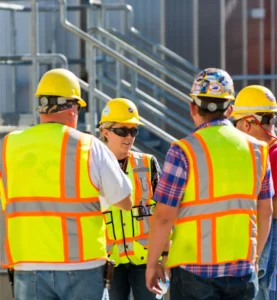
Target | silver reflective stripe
(202,165)
(109,247)
(70,164)
(123,248)
(219,206)
(143,242)
(141,169)
(255,108)
(73,239)
(51,206)
(259,167)
(206,242)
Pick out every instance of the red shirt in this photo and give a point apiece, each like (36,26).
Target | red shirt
(273,163)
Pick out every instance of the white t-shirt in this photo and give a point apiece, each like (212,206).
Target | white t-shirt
(113,185)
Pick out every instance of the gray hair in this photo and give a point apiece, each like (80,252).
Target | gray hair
(104,125)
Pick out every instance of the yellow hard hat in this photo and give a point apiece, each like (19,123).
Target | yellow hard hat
(120,110)
(61,83)
(214,83)
(254,99)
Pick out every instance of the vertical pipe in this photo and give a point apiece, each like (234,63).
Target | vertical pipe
(162,23)
(118,73)
(244,40)
(195,37)
(222,35)
(261,43)
(272,43)
(54,35)
(34,52)
(13,67)
(92,85)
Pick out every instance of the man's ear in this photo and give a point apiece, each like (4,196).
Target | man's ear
(229,111)
(193,109)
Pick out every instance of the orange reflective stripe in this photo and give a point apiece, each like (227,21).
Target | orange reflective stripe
(264,164)
(195,169)
(148,177)
(199,248)
(127,253)
(62,167)
(65,240)
(251,148)
(138,193)
(80,238)
(54,199)
(210,165)
(62,215)
(250,242)
(78,168)
(88,167)
(213,235)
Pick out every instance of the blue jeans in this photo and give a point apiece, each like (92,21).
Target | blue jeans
(59,285)
(187,286)
(129,277)
(268,266)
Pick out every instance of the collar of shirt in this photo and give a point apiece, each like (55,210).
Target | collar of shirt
(216,122)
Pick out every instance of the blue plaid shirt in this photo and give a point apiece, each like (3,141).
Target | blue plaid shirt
(170,191)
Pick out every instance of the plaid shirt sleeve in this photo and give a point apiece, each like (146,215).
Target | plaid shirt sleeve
(267,188)
(170,189)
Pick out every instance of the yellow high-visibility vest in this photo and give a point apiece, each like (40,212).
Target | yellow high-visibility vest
(127,231)
(217,218)
(52,208)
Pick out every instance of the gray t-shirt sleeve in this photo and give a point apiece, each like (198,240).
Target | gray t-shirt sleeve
(106,175)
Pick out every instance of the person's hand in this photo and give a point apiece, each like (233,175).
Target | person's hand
(163,262)
(153,274)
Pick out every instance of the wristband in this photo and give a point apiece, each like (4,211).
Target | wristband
(164,253)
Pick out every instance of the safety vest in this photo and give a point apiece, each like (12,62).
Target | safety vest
(127,231)
(52,208)
(216,221)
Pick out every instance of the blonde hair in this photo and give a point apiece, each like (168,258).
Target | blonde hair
(104,125)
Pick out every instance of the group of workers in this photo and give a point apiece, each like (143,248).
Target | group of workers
(208,221)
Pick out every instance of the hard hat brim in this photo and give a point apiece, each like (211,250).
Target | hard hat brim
(129,121)
(212,96)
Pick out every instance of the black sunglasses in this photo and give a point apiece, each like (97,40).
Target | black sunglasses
(124,131)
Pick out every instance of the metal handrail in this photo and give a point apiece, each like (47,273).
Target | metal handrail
(41,57)
(162,66)
(109,51)
(160,48)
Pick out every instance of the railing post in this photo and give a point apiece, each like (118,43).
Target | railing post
(34,53)
(273,43)
(195,34)
(92,87)
(222,35)
(13,67)
(244,40)
(261,42)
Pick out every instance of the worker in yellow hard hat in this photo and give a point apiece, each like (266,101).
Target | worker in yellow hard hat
(209,189)
(127,232)
(52,177)
(255,114)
